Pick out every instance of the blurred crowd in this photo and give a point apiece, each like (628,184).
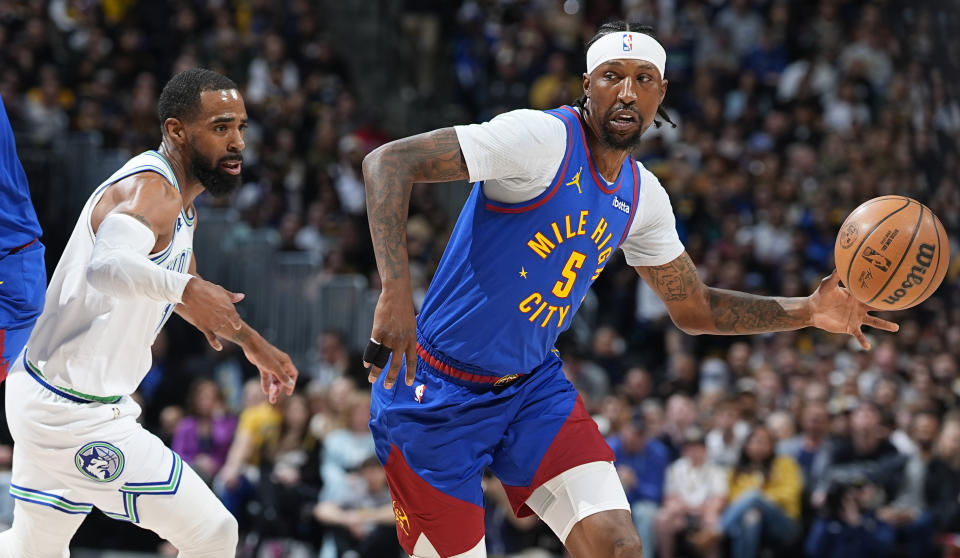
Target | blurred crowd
(789,113)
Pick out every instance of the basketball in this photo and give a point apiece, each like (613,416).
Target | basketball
(892,252)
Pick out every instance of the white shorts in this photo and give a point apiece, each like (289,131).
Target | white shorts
(72,456)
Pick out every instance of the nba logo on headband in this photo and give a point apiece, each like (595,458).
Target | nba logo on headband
(629,45)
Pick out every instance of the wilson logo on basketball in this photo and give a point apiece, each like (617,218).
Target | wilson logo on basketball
(878,260)
(924,260)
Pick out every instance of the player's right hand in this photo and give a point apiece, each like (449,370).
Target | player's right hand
(395,326)
(212,308)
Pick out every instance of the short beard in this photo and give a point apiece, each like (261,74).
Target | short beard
(613,141)
(628,143)
(213,178)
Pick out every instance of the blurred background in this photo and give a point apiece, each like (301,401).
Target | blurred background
(790,113)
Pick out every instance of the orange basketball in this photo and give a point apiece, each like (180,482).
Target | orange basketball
(892,252)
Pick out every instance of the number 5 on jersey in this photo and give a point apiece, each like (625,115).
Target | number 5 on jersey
(563,287)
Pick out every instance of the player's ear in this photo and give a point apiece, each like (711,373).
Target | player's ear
(586,84)
(173,128)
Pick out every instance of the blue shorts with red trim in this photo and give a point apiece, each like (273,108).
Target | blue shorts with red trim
(436,438)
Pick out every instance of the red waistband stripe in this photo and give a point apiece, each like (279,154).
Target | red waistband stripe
(460,374)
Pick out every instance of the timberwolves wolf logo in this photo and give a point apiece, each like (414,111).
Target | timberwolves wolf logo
(100,461)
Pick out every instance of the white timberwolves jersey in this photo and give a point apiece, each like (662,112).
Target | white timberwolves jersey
(87,340)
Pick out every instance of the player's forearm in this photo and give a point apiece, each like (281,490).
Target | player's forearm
(389,173)
(734,313)
(388,182)
(242,336)
(239,336)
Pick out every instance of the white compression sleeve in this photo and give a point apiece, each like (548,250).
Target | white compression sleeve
(119,265)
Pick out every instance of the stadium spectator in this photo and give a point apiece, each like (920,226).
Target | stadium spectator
(942,485)
(905,514)
(765,492)
(289,481)
(258,427)
(849,527)
(362,525)
(203,437)
(726,438)
(811,448)
(695,492)
(865,455)
(345,449)
(641,462)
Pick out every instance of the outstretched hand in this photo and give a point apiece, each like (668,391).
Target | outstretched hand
(211,309)
(395,327)
(277,372)
(834,309)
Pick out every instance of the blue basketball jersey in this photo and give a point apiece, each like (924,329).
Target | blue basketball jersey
(18,220)
(513,275)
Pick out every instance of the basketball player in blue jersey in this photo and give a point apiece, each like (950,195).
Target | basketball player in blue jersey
(556,193)
(23,277)
(127,266)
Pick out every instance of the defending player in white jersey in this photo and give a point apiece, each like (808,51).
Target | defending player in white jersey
(126,267)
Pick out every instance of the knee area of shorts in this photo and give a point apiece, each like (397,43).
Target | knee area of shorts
(220,529)
(226,528)
(21,543)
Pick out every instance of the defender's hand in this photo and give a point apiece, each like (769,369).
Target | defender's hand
(395,328)
(211,308)
(834,309)
(277,372)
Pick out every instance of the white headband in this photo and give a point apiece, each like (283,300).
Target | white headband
(636,46)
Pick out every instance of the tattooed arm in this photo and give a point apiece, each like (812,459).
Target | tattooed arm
(697,308)
(389,173)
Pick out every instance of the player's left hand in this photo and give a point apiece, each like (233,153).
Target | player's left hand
(834,309)
(395,331)
(277,372)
